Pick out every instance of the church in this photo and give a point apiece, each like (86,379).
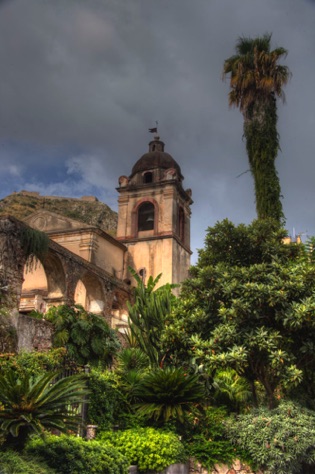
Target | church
(88,266)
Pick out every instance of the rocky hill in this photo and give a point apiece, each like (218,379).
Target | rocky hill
(87,209)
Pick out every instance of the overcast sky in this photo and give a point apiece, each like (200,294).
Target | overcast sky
(82,81)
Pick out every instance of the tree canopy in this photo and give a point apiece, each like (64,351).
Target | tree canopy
(249,307)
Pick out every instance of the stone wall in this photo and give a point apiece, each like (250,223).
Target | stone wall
(34,334)
(236,468)
(12,260)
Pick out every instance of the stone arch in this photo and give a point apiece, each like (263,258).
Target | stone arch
(80,294)
(154,214)
(55,274)
(89,293)
(119,312)
(44,284)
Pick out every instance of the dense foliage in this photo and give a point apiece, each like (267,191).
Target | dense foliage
(12,462)
(35,245)
(69,454)
(256,80)
(107,406)
(168,394)
(205,439)
(249,307)
(34,405)
(281,441)
(34,363)
(87,336)
(149,449)
(148,314)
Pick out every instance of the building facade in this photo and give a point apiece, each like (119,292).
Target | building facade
(87,266)
(154,216)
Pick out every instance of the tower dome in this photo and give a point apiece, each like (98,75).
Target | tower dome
(156,157)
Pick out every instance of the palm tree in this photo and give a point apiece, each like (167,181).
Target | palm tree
(256,80)
(33,405)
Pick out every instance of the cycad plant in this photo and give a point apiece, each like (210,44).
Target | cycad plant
(30,405)
(168,394)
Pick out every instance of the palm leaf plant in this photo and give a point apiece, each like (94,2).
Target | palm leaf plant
(231,389)
(168,394)
(148,314)
(34,405)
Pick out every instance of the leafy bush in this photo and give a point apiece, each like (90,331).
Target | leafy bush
(33,363)
(148,448)
(205,439)
(86,336)
(107,405)
(14,463)
(69,454)
(280,441)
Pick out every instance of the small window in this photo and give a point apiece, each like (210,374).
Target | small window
(148,177)
(146,216)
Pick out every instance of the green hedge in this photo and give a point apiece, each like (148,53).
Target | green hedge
(148,448)
(72,455)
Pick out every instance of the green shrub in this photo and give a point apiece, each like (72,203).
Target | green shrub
(148,448)
(33,363)
(69,454)
(206,442)
(86,336)
(14,463)
(107,405)
(280,441)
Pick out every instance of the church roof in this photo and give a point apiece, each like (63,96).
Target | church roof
(155,158)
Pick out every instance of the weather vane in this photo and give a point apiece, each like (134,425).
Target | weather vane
(155,129)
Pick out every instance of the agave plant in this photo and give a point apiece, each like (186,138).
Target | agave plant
(34,405)
(167,394)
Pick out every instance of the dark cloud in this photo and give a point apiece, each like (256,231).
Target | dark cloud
(81,82)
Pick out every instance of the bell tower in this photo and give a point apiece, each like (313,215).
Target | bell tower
(154,216)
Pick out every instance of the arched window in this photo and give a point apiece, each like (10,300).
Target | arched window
(146,216)
(148,177)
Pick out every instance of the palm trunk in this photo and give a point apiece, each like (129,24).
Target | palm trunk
(262,144)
